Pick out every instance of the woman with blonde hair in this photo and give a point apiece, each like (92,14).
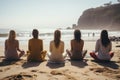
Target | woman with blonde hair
(56,48)
(12,46)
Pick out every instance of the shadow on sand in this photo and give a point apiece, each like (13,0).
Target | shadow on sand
(31,64)
(4,62)
(79,63)
(111,64)
(55,65)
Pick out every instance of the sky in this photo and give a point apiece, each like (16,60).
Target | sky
(44,13)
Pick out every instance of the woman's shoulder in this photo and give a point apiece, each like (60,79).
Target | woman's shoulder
(98,41)
(32,39)
(16,41)
(82,40)
(72,40)
(52,41)
(62,42)
(6,40)
(40,40)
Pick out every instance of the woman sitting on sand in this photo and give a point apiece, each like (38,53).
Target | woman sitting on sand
(35,47)
(12,46)
(103,48)
(56,48)
(77,44)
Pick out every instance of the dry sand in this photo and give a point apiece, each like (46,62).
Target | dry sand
(87,69)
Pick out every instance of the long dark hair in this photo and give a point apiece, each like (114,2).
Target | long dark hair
(35,33)
(57,36)
(104,38)
(77,35)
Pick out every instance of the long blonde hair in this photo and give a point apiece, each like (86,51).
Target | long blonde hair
(12,35)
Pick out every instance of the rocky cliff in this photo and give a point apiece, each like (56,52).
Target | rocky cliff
(105,17)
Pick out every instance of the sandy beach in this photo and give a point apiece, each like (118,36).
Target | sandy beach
(59,20)
(87,69)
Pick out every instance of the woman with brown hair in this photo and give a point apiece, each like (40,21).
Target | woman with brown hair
(56,48)
(103,48)
(77,44)
(12,46)
(35,47)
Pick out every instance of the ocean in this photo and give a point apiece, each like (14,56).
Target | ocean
(47,34)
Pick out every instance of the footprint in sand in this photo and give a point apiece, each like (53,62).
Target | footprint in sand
(53,79)
(59,72)
(107,72)
(34,70)
(84,74)
(118,76)
(42,72)
(69,77)
(6,69)
(90,79)
(38,71)
(21,76)
(56,72)
(117,61)
(99,70)
(64,73)
(1,70)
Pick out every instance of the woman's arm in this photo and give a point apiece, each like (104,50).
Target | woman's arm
(62,50)
(5,45)
(17,46)
(82,44)
(71,45)
(97,46)
(42,45)
(50,47)
(110,46)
